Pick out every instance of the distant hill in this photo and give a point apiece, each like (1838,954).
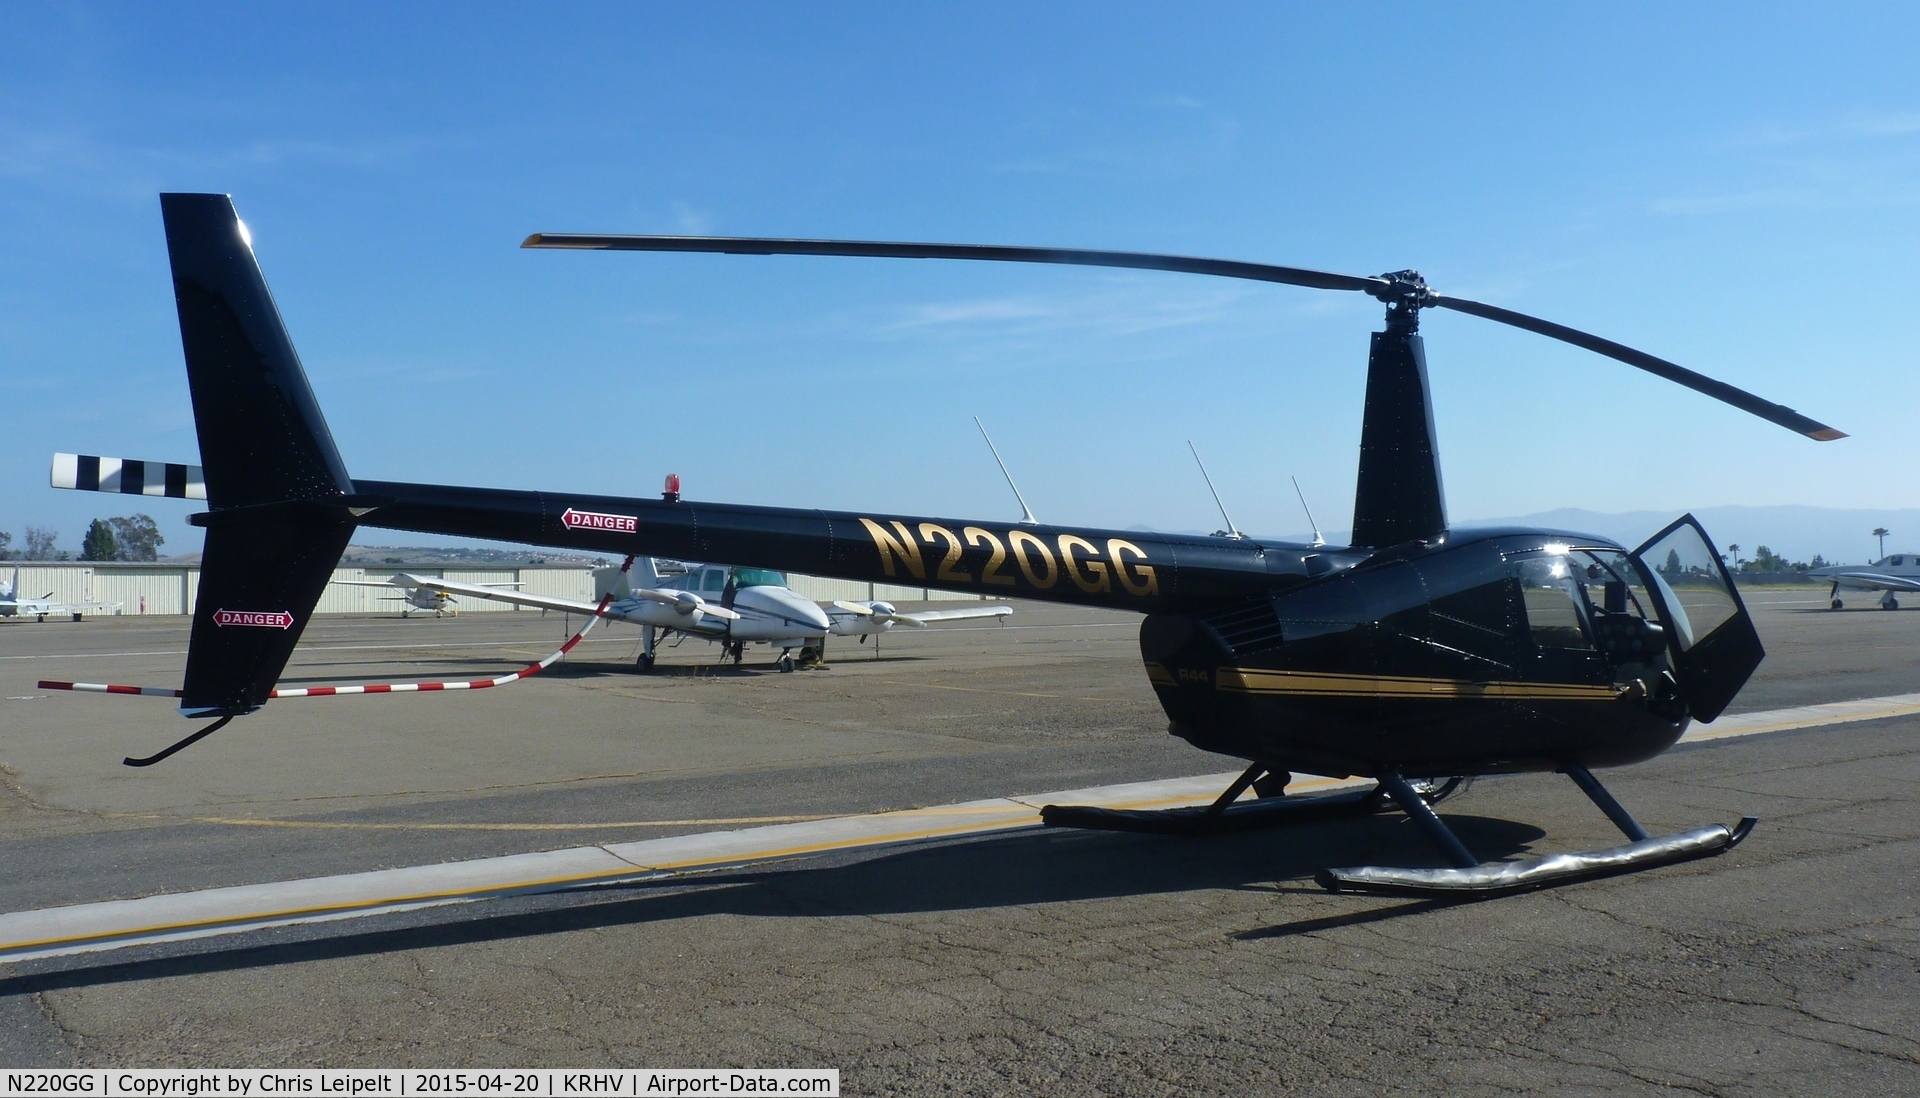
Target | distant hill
(1841,535)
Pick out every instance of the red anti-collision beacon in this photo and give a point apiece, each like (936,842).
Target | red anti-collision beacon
(671,493)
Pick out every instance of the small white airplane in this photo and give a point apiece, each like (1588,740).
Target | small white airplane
(731,606)
(1899,572)
(418,592)
(40,609)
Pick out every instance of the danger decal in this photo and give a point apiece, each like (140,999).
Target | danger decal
(264,619)
(594,520)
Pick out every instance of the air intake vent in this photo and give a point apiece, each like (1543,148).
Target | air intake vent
(1247,629)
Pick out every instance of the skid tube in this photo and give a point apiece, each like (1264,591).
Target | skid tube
(1471,879)
(1223,815)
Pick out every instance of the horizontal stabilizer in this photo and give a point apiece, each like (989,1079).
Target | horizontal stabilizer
(91,473)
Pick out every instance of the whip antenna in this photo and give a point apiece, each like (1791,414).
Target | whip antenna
(1231,531)
(1317,539)
(1026,513)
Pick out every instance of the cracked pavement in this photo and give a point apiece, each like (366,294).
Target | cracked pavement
(1059,962)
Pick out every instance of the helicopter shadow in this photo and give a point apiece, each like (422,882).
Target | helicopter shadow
(1048,867)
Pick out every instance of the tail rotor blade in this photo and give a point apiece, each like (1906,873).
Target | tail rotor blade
(1659,367)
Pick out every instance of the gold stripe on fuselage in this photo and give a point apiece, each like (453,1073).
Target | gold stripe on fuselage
(1249,680)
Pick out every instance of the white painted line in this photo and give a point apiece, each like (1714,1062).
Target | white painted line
(1806,716)
(25,935)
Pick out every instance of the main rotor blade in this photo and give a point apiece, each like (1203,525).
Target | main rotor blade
(1660,367)
(1146,261)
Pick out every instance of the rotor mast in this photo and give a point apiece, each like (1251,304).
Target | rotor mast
(1398,495)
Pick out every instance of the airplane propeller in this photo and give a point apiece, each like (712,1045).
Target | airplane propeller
(1404,292)
(688,603)
(880,612)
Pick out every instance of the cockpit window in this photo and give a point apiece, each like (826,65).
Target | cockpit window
(713,579)
(1552,595)
(758,577)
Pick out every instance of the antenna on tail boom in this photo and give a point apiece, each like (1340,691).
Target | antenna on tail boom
(1026,513)
(1231,531)
(1318,541)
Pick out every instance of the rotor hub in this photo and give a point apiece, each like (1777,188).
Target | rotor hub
(1405,294)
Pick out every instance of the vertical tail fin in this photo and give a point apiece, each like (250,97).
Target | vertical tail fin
(277,488)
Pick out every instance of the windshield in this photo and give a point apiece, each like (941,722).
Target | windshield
(1568,590)
(758,577)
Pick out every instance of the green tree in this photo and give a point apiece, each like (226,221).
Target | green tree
(136,537)
(99,544)
(40,545)
(6,539)
(1672,566)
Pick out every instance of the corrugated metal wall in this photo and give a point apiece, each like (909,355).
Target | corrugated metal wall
(171,589)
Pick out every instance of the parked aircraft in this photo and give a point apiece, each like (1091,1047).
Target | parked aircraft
(419,593)
(40,609)
(732,607)
(1899,572)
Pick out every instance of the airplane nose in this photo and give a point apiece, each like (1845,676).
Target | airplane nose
(811,612)
(802,610)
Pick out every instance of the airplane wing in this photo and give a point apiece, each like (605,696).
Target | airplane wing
(1880,579)
(474,590)
(918,619)
(552,602)
(362,583)
(969,612)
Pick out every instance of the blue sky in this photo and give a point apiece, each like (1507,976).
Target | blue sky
(1734,187)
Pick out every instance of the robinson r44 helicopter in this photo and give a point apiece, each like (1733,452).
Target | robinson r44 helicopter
(1417,655)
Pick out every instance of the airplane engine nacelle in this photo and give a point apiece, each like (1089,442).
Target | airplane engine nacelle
(884,609)
(688,603)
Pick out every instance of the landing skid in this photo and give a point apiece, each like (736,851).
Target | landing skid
(1472,879)
(1468,879)
(1223,815)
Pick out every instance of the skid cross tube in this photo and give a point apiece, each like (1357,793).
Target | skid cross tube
(1598,794)
(1240,785)
(1422,813)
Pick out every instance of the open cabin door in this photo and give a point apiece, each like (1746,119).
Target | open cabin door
(1715,647)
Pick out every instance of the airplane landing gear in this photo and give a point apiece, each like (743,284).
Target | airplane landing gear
(1837,604)
(645,663)
(786,662)
(1889,603)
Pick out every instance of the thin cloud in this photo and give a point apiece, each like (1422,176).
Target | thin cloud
(1853,126)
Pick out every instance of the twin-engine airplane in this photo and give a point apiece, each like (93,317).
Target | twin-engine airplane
(1890,575)
(731,606)
(1418,652)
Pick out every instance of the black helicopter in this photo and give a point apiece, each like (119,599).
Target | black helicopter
(1416,657)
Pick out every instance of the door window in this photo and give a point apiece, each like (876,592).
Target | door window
(1691,582)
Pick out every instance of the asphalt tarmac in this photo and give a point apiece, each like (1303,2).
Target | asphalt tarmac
(1065,963)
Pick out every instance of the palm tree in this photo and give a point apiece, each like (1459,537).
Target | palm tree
(1881,532)
(1735,550)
